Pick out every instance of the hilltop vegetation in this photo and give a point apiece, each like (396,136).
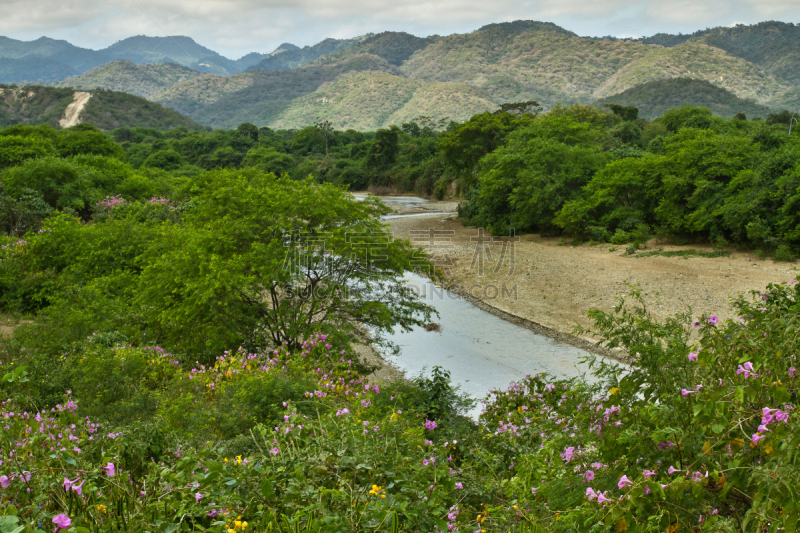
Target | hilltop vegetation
(655,98)
(499,63)
(106,110)
(503,63)
(174,49)
(697,61)
(394,47)
(124,76)
(109,110)
(33,105)
(296,57)
(258,96)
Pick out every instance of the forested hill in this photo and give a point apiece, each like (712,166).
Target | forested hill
(105,109)
(655,98)
(374,80)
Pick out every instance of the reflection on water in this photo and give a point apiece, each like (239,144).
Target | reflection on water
(480,350)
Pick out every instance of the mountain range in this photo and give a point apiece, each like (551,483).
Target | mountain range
(372,81)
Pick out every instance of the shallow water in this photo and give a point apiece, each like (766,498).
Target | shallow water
(481,351)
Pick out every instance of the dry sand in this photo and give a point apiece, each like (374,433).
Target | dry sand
(557,284)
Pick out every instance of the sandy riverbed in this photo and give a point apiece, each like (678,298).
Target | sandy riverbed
(557,284)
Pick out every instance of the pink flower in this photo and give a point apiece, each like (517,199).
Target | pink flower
(568,454)
(198,497)
(792,371)
(647,489)
(533,490)
(672,470)
(430,424)
(624,482)
(756,437)
(746,369)
(692,356)
(109,468)
(4,482)
(424,462)
(274,451)
(649,473)
(61,521)
(713,320)
(459,485)
(601,498)
(590,493)
(686,393)
(588,476)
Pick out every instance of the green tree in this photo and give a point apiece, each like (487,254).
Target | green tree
(384,149)
(164,159)
(267,260)
(16,149)
(86,139)
(626,113)
(526,182)
(463,147)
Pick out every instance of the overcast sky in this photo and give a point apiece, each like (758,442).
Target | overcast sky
(236,27)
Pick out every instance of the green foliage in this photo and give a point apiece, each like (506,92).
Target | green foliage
(656,97)
(144,80)
(235,251)
(33,105)
(16,149)
(383,152)
(526,182)
(108,110)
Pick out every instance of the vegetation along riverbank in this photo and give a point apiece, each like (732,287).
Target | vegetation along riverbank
(184,313)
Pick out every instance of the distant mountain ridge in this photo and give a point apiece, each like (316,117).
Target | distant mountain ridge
(376,79)
(46,60)
(296,57)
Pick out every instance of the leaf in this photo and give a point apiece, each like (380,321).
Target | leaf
(717,428)
(266,489)
(739,394)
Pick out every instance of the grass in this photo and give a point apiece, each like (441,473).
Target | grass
(685,253)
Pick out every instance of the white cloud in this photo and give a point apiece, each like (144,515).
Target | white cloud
(235,27)
(43,15)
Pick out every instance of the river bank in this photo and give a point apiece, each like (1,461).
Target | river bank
(545,282)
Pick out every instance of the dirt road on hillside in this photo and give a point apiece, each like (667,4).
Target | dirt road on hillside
(73,111)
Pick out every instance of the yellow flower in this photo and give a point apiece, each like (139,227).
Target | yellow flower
(231,531)
(101,508)
(237,524)
(238,459)
(244,525)
(613,391)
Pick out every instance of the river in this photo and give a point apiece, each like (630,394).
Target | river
(481,351)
